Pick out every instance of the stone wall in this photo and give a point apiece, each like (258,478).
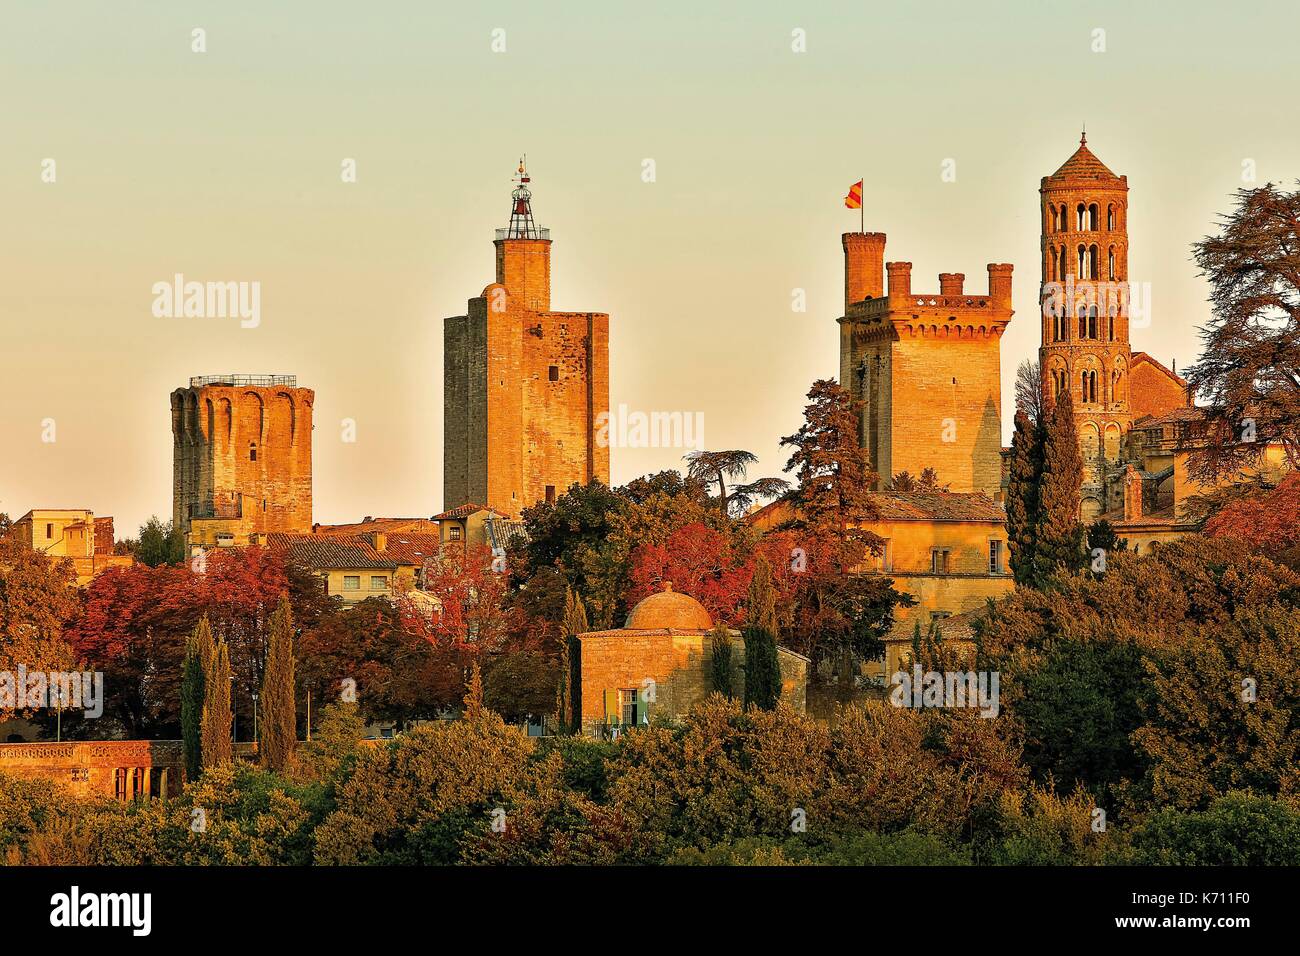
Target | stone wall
(103,768)
(523,388)
(242,455)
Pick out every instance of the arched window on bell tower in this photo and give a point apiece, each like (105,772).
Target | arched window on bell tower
(1110,264)
(1092,321)
(1110,217)
(1092,217)
(1081,218)
(1082,264)
(1083,322)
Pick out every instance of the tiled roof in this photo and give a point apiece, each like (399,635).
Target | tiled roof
(410,549)
(1084,165)
(382,525)
(465,510)
(329,552)
(1183,413)
(912,506)
(936,506)
(956,627)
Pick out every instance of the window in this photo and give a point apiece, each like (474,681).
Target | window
(119,783)
(1092,217)
(550,494)
(49,531)
(939,561)
(1092,321)
(453,533)
(379,582)
(995,557)
(1110,268)
(631,712)
(886,555)
(252,451)
(553,373)
(1081,214)
(352,582)
(1110,217)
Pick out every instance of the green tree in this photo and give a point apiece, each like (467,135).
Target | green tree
(1058,532)
(833,474)
(1026,473)
(216,721)
(762,664)
(575,623)
(1249,371)
(279,726)
(198,656)
(159,543)
(721,661)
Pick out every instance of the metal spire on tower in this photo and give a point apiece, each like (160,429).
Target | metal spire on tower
(521,207)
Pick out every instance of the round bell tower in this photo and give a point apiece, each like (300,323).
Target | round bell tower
(1084,297)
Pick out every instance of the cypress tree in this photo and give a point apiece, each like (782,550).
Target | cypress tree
(720,668)
(216,709)
(762,666)
(1059,537)
(1022,497)
(198,654)
(575,623)
(473,699)
(279,722)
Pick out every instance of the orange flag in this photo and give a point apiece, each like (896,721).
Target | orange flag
(854,199)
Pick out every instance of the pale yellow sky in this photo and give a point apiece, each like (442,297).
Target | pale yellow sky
(225,166)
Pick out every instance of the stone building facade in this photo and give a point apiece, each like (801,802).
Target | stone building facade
(124,769)
(660,663)
(524,387)
(241,453)
(72,533)
(926,367)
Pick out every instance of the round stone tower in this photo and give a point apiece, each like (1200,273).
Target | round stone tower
(1085,316)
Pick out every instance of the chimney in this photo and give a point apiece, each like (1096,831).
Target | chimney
(900,278)
(864,260)
(950,283)
(380,541)
(1000,284)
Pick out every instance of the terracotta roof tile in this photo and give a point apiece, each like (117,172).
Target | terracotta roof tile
(465,510)
(1084,165)
(936,506)
(329,552)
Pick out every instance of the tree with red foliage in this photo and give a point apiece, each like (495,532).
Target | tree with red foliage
(1265,519)
(699,561)
(136,621)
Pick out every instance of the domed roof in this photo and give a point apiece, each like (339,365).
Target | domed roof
(669,609)
(1084,164)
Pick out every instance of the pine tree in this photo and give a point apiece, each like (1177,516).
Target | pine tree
(720,668)
(762,665)
(1022,497)
(575,623)
(198,655)
(1059,533)
(278,729)
(216,722)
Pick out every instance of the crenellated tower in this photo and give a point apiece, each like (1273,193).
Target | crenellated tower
(1085,316)
(926,367)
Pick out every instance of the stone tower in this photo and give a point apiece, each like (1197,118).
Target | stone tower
(524,387)
(926,366)
(241,458)
(1085,315)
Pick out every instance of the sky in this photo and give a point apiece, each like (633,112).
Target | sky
(226,165)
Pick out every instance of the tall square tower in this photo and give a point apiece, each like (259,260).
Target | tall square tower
(926,367)
(524,387)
